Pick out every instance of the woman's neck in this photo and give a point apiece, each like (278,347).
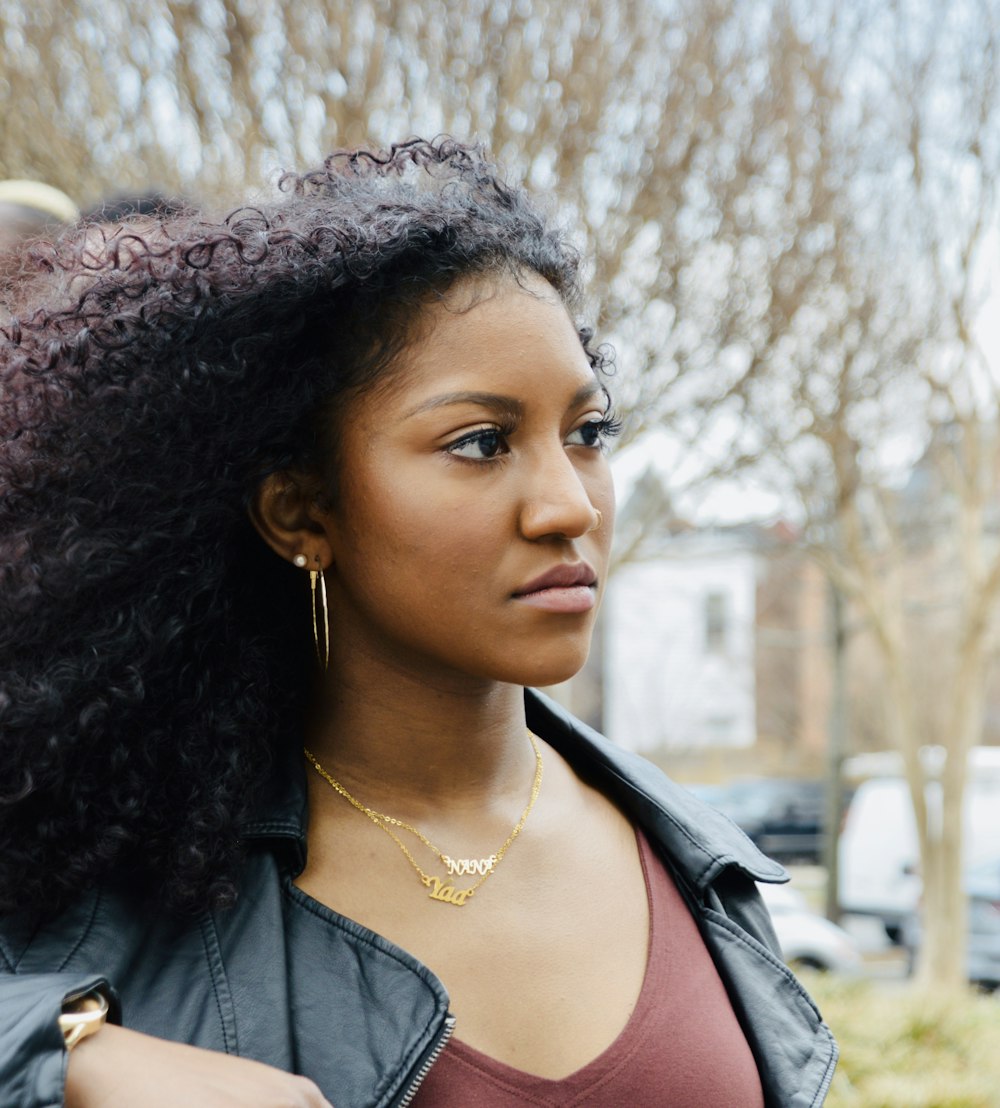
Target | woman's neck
(407,742)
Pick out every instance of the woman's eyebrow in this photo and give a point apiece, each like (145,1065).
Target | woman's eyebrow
(587,392)
(506,405)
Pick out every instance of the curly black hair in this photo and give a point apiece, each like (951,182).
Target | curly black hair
(154,654)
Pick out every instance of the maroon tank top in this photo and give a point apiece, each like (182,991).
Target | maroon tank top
(681,1047)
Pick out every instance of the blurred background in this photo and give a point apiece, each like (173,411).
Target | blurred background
(790,214)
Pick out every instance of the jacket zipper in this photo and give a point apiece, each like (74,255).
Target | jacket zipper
(411,1092)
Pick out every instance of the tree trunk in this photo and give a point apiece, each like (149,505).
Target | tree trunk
(836,746)
(941,959)
(945,907)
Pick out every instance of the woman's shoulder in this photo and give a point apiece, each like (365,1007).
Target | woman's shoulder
(114,926)
(35,942)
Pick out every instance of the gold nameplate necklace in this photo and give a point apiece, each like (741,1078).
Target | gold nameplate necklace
(443,891)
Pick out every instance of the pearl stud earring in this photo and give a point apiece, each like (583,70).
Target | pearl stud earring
(300,560)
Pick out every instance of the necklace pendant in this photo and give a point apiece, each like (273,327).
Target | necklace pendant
(445,893)
(465,867)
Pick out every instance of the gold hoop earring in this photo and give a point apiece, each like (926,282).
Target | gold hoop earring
(316,578)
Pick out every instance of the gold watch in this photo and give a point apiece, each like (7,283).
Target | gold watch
(82,1016)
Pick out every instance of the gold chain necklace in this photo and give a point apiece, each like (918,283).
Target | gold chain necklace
(442,891)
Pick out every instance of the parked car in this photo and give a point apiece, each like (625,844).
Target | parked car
(808,941)
(879,856)
(982,884)
(784,816)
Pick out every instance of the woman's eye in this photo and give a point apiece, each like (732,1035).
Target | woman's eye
(480,445)
(592,433)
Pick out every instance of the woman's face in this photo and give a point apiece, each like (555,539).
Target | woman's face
(476,474)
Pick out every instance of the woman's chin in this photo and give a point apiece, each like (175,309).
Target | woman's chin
(543,673)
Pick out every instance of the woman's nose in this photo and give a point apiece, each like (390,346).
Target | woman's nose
(556,501)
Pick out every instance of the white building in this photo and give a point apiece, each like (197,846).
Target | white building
(679,646)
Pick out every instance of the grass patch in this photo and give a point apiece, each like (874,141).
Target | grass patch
(901,1048)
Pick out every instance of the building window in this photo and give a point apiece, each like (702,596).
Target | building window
(715,622)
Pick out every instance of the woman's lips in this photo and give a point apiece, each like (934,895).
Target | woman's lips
(572,598)
(568,587)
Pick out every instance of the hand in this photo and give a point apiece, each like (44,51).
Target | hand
(118,1068)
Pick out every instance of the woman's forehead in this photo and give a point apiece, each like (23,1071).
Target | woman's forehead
(489,324)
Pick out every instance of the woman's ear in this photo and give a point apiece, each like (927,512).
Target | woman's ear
(287,513)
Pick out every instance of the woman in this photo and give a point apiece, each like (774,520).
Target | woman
(297,505)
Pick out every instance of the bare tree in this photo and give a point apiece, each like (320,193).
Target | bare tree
(873,370)
(666,130)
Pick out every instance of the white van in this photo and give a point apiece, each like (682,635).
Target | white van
(879,858)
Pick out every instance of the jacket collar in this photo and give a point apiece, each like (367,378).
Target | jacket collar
(283,811)
(700,841)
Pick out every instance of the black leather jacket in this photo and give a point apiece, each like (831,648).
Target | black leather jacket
(283,979)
